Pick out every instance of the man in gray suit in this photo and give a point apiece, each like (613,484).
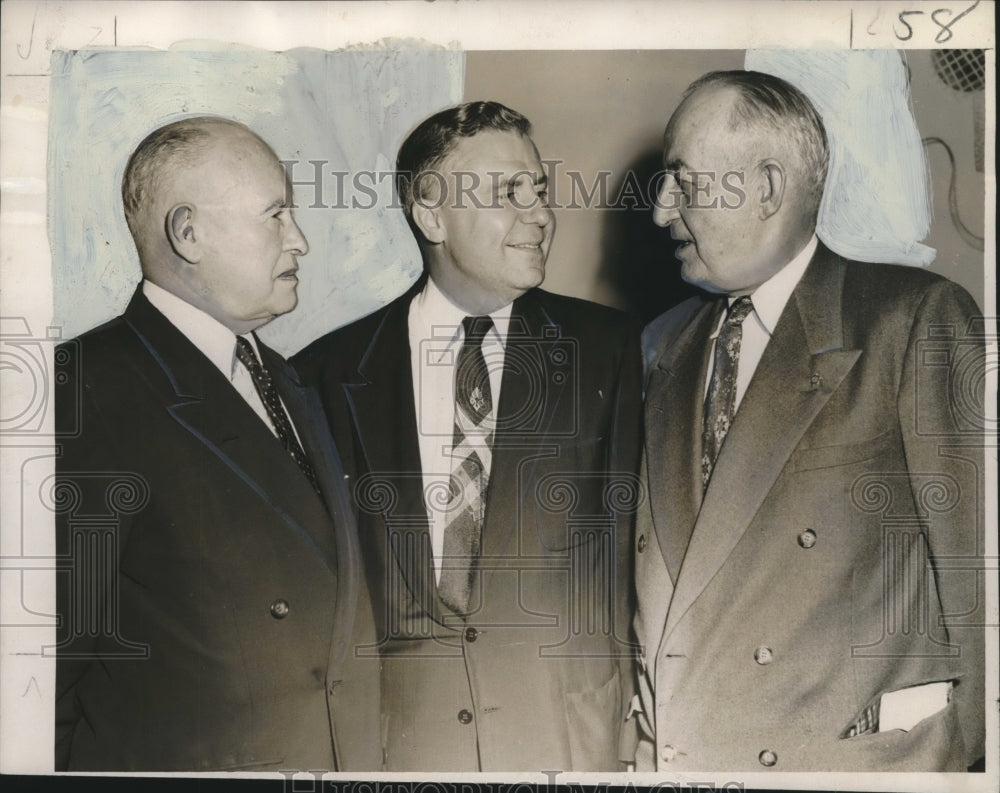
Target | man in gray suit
(491,430)
(809,571)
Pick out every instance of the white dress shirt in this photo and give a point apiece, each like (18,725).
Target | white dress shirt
(436,336)
(769,301)
(216,341)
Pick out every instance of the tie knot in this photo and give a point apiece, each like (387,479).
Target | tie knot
(739,310)
(245,353)
(476,328)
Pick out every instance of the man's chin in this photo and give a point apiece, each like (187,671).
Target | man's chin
(694,273)
(285,306)
(532,278)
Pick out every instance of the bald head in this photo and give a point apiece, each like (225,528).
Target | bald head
(769,117)
(209,206)
(744,164)
(169,155)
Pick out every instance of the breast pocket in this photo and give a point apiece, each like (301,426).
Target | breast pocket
(845,453)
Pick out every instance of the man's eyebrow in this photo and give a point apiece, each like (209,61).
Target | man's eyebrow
(675,164)
(537,179)
(277,204)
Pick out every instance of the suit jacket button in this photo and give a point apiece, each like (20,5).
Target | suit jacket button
(279,609)
(763,655)
(642,543)
(807,539)
(464,716)
(767,758)
(471,634)
(667,753)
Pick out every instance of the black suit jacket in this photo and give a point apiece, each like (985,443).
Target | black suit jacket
(532,679)
(208,597)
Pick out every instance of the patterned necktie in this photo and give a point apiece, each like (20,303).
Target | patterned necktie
(275,410)
(720,403)
(471,456)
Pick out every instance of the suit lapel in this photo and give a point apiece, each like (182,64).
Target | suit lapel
(306,412)
(526,413)
(802,366)
(674,417)
(381,402)
(206,405)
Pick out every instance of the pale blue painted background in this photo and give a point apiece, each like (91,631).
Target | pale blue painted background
(876,204)
(351,108)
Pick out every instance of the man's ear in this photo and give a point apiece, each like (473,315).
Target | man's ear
(181,233)
(772,188)
(428,220)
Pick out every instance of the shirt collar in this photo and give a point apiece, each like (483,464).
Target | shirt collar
(770,297)
(215,340)
(440,319)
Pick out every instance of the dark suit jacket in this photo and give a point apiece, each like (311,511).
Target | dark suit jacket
(208,598)
(834,556)
(532,680)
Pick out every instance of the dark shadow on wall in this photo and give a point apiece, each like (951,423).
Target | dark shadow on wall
(637,256)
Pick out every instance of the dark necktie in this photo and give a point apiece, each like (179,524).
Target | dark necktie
(720,403)
(275,410)
(471,459)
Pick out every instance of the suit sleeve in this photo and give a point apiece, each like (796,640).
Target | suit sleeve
(85,466)
(941,409)
(623,466)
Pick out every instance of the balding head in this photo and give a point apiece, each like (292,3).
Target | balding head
(209,206)
(167,156)
(775,119)
(745,159)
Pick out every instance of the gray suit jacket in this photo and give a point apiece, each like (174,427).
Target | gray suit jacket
(537,676)
(834,555)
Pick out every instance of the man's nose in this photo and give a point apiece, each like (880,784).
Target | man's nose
(668,202)
(295,241)
(538,213)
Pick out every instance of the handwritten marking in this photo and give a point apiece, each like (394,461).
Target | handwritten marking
(945,33)
(31,39)
(878,16)
(947,28)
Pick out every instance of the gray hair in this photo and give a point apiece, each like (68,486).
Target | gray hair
(775,104)
(176,145)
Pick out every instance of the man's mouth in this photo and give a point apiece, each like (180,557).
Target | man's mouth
(527,246)
(682,241)
(290,274)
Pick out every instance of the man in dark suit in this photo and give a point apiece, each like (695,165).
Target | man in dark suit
(809,569)
(210,593)
(492,429)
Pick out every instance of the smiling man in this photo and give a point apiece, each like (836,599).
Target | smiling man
(209,588)
(493,429)
(804,602)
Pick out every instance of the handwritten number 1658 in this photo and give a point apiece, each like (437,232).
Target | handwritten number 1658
(944,34)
